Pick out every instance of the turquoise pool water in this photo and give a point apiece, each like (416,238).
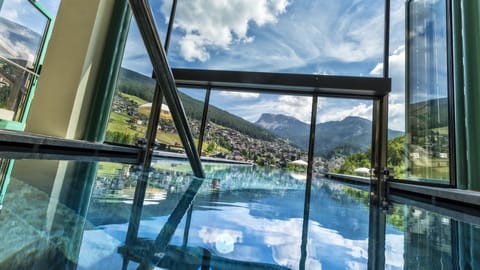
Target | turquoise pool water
(76,216)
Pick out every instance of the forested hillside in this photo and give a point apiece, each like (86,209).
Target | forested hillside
(139,85)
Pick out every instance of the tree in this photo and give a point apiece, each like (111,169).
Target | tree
(395,158)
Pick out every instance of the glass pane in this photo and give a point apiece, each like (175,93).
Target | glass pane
(338,226)
(193,101)
(419,98)
(161,19)
(427,88)
(237,219)
(134,94)
(15,84)
(71,214)
(168,138)
(168,182)
(265,129)
(313,37)
(22,27)
(343,137)
(420,239)
(45,222)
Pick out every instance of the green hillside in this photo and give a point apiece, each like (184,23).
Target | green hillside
(136,84)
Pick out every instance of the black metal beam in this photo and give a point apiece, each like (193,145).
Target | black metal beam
(308,185)
(284,83)
(21,145)
(164,77)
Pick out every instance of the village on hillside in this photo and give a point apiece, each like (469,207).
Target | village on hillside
(219,141)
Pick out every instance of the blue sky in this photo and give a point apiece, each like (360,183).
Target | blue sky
(342,37)
(24,13)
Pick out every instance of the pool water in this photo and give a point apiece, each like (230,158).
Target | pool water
(242,217)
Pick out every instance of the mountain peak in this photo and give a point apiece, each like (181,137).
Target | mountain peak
(275,117)
(350,135)
(282,125)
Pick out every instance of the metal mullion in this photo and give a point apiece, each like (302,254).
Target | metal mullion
(203,124)
(284,83)
(386,40)
(309,93)
(173,11)
(308,183)
(380,126)
(165,79)
(458,99)
(451,95)
(377,216)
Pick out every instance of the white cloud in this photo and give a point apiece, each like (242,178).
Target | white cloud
(394,247)
(319,32)
(296,106)
(13,47)
(338,113)
(11,10)
(396,110)
(218,24)
(299,107)
(136,56)
(242,95)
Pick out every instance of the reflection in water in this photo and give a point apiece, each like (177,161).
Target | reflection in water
(242,217)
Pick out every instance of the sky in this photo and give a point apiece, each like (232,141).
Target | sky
(24,13)
(342,37)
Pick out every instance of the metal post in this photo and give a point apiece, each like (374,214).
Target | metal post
(170,25)
(378,194)
(471,61)
(186,230)
(459,99)
(376,238)
(206,104)
(380,127)
(308,184)
(165,79)
(166,234)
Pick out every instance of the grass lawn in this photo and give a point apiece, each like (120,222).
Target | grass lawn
(135,99)
(119,122)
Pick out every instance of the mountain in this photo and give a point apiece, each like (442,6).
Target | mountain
(350,135)
(279,123)
(435,109)
(136,84)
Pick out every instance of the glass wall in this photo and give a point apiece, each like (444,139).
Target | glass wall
(134,92)
(167,135)
(343,136)
(75,213)
(265,129)
(419,103)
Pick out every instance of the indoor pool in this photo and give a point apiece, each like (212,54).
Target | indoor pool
(76,215)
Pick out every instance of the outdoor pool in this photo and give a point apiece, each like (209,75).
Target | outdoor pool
(241,216)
